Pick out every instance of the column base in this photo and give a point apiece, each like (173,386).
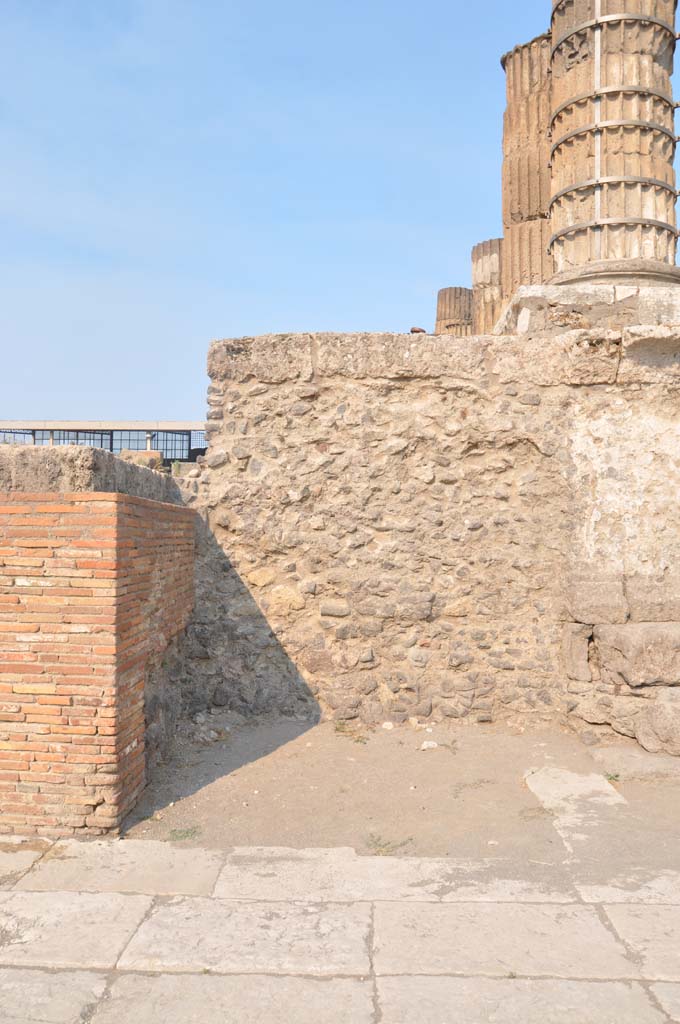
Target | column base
(589,303)
(642,273)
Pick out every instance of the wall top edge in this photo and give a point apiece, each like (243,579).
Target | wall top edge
(18,498)
(75,469)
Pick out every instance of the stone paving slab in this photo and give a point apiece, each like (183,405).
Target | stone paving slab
(498,939)
(663,888)
(194,934)
(17,856)
(481,1001)
(253,999)
(653,935)
(148,867)
(669,998)
(39,997)
(79,930)
(339,875)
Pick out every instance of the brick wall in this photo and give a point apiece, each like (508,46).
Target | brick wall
(93,587)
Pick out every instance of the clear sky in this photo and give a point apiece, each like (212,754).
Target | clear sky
(181,170)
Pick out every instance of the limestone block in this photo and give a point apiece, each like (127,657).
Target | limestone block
(657,728)
(400,356)
(651,355)
(654,598)
(577,357)
(599,600)
(640,654)
(575,648)
(273,358)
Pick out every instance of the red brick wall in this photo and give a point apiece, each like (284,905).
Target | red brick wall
(92,589)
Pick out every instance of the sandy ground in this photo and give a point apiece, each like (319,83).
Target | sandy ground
(285,783)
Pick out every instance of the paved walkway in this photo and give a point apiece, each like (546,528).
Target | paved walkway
(559,904)
(111,932)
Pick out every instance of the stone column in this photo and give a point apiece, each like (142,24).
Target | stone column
(487,299)
(454,312)
(613,139)
(526,171)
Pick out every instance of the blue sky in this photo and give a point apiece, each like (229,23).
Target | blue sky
(180,170)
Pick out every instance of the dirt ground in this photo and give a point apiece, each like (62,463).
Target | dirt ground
(437,791)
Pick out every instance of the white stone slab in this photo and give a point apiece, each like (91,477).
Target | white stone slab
(40,997)
(489,1001)
(669,997)
(143,866)
(663,888)
(497,939)
(576,800)
(17,856)
(653,933)
(339,875)
(225,937)
(79,930)
(253,999)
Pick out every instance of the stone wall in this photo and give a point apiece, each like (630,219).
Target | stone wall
(399,526)
(94,586)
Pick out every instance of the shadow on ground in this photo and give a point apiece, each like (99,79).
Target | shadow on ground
(229,667)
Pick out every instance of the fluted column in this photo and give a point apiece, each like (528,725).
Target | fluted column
(454,312)
(487,298)
(526,166)
(612,137)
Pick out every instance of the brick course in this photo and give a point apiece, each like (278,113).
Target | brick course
(93,587)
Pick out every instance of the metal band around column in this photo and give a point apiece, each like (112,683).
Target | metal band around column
(613,90)
(560,3)
(597,126)
(613,222)
(629,180)
(611,19)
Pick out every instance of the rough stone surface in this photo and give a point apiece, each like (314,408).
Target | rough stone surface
(437,527)
(495,941)
(70,469)
(227,937)
(104,866)
(434,1000)
(57,929)
(237,1000)
(669,998)
(40,997)
(653,933)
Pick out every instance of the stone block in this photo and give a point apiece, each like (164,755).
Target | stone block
(657,726)
(228,937)
(652,933)
(591,601)
(576,643)
(41,997)
(400,357)
(243,999)
(653,598)
(640,654)
(508,1001)
(74,930)
(156,868)
(271,359)
(650,355)
(495,940)
(576,357)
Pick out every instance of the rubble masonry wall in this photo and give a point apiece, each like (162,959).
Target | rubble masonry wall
(464,528)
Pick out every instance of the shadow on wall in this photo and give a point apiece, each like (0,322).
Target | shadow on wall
(230,657)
